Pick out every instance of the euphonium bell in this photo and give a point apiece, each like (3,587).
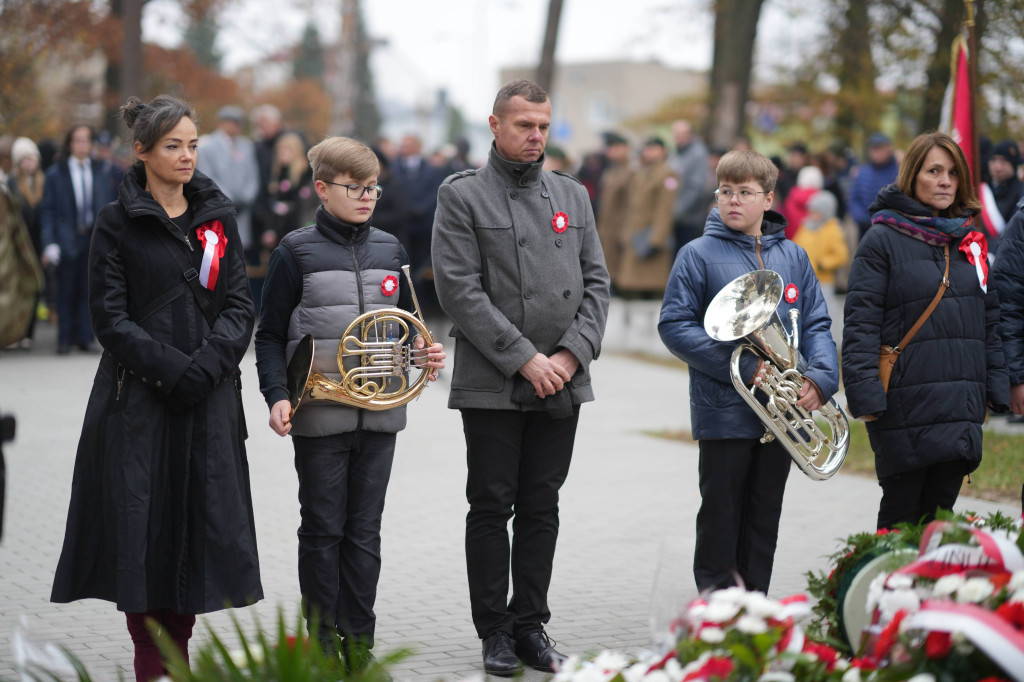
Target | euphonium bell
(376,362)
(747,308)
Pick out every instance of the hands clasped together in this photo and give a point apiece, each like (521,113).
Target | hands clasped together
(549,374)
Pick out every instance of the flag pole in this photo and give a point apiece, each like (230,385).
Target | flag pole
(972,62)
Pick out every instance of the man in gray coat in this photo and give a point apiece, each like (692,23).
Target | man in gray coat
(690,163)
(518,267)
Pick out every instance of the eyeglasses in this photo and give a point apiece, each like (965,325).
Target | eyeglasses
(357,191)
(724,196)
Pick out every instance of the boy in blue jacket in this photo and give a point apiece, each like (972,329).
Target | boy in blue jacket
(742,480)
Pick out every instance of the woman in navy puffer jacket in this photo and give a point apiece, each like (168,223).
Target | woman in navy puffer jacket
(926,431)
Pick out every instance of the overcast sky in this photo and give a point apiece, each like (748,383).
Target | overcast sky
(461,44)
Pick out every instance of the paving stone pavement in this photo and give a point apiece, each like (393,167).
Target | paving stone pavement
(627,518)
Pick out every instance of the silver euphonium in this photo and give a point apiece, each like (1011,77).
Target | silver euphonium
(747,308)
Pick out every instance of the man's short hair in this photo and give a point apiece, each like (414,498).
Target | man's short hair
(528,90)
(743,165)
(335,156)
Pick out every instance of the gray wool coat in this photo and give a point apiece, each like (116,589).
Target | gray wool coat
(519,269)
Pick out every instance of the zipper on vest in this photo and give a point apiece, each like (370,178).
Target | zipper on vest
(362,309)
(757,250)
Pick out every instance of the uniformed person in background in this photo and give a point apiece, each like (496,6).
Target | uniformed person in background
(615,190)
(519,269)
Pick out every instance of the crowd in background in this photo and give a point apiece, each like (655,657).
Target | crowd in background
(649,199)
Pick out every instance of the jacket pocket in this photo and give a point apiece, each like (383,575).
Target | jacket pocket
(473,371)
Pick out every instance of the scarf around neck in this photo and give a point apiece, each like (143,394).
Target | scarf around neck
(907,216)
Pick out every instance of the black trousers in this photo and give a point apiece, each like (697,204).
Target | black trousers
(342,483)
(517,461)
(74,324)
(915,496)
(742,482)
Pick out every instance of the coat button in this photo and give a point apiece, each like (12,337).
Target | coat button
(500,345)
(545,195)
(514,195)
(567,293)
(160,383)
(528,294)
(522,241)
(558,242)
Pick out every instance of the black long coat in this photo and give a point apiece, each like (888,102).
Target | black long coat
(161,511)
(951,370)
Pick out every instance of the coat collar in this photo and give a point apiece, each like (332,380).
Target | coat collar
(521,174)
(340,231)
(773,228)
(205,199)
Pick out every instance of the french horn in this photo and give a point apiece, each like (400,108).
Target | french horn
(747,308)
(376,360)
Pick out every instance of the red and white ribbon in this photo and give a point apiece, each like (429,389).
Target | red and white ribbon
(998,639)
(994,553)
(975,247)
(211,236)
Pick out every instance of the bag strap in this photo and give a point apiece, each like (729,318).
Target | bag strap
(927,311)
(190,274)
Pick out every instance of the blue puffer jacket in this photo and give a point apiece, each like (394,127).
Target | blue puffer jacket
(702,268)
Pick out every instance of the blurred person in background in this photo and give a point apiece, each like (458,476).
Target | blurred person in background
(1007,188)
(822,237)
(809,181)
(876,172)
(26,182)
(74,191)
(229,159)
(616,183)
(293,200)
(421,181)
(689,162)
(393,208)
(1008,278)
(796,158)
(555,159)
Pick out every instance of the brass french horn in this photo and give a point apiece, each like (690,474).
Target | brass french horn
(747,308)
(376,359)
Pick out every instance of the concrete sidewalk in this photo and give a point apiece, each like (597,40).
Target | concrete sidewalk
(625,545)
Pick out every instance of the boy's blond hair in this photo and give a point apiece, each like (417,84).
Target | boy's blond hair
(743,165)
(334,156)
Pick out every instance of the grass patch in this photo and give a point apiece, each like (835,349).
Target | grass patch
(998,478)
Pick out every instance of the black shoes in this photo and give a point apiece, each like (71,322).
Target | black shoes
(499,656)
(537,650)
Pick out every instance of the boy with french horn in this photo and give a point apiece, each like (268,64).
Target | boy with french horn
(742,480)
(320,282)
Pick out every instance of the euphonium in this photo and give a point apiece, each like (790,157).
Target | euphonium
(747,308)
(375,358)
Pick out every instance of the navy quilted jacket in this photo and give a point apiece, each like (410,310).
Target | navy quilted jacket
(701,269)
(949,371)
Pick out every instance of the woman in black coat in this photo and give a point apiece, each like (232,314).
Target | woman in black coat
(926,431)
(161,520)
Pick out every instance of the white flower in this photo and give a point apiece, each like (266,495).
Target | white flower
(730,595)
(697,611)
(712,635)
(657,676)
(674,669)
(721,611)
(851,675)
(1016,583)
(899,600)
(751,625)
(922,677)
(610,660)
(974,590)
(899,581)
(841,664)
(947,585)
(759,605)
(694,666)
(875,590)
(777,677)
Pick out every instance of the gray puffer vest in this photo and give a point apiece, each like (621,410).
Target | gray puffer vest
(345,273)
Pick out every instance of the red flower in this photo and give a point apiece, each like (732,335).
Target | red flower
(717,667)
(1013,613)
(937,645)
(887,638)
(825,653)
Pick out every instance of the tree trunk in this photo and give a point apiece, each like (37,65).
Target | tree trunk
(131,51)
(546,69)
(857,115)
(938,71)
(731,63)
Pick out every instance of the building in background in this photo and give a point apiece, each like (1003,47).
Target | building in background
(591,98)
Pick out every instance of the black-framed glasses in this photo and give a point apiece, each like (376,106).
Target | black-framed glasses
(357,191)
(745,196)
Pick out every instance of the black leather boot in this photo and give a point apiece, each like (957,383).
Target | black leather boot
(537,650)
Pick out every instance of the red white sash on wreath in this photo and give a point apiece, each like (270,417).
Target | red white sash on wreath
(211,236)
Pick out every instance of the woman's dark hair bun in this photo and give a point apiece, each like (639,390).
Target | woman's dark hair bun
(131,110)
